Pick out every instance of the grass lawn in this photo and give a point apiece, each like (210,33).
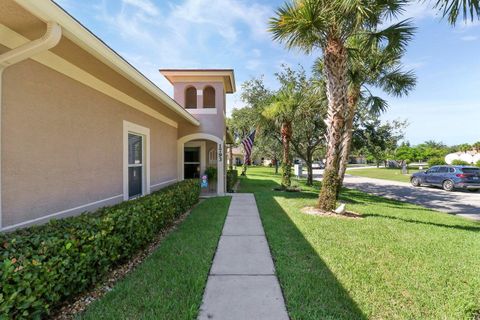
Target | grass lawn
(170,283)
(400,261)
(383,173)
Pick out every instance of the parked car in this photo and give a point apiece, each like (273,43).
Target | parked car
(449,177)
(318,165)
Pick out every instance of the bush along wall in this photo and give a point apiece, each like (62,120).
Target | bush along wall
(42,266)
(232,177)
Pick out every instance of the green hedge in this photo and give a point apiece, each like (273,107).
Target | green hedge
(436,161)
(42,266)
(232,177)
(457,162)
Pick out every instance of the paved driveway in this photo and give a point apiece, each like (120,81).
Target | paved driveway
(461,203)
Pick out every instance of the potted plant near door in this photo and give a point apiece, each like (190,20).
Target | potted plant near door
(211,173)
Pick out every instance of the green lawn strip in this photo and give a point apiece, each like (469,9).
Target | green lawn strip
(170,283)
(383,173)
(400,261)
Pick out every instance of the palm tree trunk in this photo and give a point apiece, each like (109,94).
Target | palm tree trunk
(335,62)
(353,96)
(286,132)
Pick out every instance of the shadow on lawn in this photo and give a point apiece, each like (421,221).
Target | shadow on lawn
(311,290)
(449,226)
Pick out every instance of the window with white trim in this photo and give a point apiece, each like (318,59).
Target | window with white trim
(212,156)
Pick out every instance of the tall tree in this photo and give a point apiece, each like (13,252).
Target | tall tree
(371,64)
(380,140)
(327,25)
(282,110)
(308,140)
(256,96)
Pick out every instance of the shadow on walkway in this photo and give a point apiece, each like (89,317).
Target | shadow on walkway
(311,290)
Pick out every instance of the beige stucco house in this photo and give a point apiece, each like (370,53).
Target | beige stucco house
(81,128)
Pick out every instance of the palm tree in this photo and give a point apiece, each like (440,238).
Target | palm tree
(282,111)
(327,25)
(373,66)
(452,9)
(476,146)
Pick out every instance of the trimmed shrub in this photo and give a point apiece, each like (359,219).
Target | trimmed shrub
(478,163)
(44,265)
(460,163)
(232,177)
(436,161)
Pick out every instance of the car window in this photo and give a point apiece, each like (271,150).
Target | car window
(442,170)
(433,170)
(451,169)
(471,170)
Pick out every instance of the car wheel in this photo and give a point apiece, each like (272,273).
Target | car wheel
(447,185)
(415,182)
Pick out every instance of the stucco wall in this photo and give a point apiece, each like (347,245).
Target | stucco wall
(209,123)
(62,144)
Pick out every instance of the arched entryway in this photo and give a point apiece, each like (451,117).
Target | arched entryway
(194,154)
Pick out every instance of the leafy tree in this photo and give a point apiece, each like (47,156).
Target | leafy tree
(243,121)
(328,25)
(379,141)
(308,138)
(406,153)
(437,161)
(268,143)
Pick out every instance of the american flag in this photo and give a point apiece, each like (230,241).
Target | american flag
(248,145)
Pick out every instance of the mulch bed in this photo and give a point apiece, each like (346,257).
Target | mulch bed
(317,212)
(80,303)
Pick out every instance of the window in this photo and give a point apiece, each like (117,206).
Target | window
(212,156)
(433,170)
(471,170)
(135,165)
(443,170)
(136,160)
(209,97)
(191,98)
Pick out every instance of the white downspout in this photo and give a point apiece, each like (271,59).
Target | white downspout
(49,40)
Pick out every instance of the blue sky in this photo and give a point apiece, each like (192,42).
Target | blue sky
(154,34)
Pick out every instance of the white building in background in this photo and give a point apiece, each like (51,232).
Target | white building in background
(469,156)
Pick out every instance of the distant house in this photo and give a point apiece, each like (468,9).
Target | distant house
(81,128)
(471,157)
(239,157)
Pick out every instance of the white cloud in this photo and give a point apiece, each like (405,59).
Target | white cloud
(223,15)
(469,38)
(145,5)
(420,10)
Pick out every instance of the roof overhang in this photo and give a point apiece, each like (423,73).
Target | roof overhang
(47,10)
(227,76)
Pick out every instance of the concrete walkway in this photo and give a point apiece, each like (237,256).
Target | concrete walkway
(242,283)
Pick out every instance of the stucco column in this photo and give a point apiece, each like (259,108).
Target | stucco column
(220,169)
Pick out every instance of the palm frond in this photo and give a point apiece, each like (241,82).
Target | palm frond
(397,82)
(452,9)
(392,38)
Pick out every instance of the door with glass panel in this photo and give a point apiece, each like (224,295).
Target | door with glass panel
(136,170)
(191,169)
